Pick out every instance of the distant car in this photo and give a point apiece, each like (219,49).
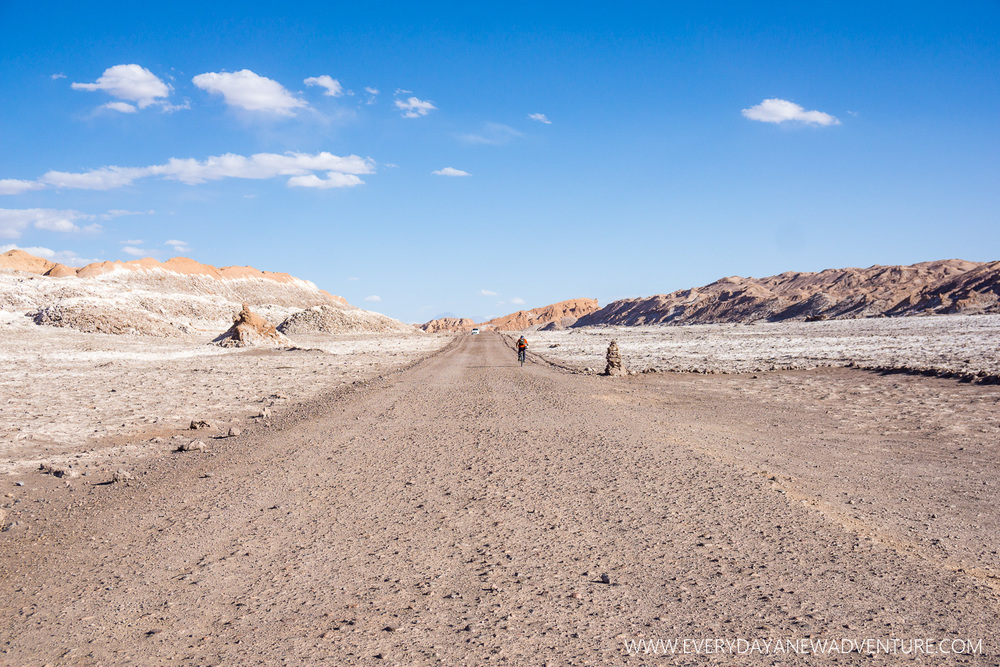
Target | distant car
(474,331)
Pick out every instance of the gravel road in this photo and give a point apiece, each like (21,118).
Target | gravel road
(466,511)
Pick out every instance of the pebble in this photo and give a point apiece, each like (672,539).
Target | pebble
(121,475)
(233,432)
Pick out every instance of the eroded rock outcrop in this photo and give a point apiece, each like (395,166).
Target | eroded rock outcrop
(251,329)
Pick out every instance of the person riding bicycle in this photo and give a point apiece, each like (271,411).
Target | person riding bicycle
(522,347)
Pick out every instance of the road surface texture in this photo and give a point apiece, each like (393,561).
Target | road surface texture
(466,511)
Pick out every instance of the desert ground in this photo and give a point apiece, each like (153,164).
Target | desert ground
(446,506)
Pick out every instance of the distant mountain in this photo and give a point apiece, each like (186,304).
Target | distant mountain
(556,315)
(938,287)
(148,297)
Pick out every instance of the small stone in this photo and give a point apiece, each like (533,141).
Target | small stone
(121,475)
(265,413)
(605,579)
(198,424)
(56,471)
(193,446)
(388,628)
(18,483)
(234,431)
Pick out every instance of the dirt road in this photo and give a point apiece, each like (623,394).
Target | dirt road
(468,511)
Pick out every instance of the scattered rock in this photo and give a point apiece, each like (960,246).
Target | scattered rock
(234,431)
(615,365)
(193,446)
(605,579)
(197,424)
(265,413)
(121,475)
(18,483)
(56,471)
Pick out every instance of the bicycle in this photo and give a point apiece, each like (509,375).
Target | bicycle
(521,354)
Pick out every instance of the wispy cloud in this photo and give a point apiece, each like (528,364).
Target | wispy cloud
(450,171)
(250,91)
(58,75)
(68,257)
(413,107)
(517,300)
(373,297)
(487,292)
(540,117)
(132,242)
(340,171)
(135,252)
(333,87)
(178,246)
(493,134)
(774,110)
(13,222)
(372,94)
(13,186)
(128,82)
(122,107)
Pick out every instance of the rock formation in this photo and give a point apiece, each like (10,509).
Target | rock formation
(251,329)
(150,298)
(947,286)
(331,320)
(615,365)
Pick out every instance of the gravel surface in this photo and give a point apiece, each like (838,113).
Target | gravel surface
(467,511)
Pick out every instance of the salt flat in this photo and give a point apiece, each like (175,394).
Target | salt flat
(954,343)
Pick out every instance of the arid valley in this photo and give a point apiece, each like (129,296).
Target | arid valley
(325,485)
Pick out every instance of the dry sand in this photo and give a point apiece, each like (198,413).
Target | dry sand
(465,511)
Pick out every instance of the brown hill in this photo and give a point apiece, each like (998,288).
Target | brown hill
(945,286)
(560,314)
(557,312)
(445,324)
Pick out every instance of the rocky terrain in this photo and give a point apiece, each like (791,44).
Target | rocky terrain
(958,346)
(940,287)
(427,518)
(557,316)
(163,299)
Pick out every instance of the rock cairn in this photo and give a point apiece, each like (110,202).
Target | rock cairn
(615,365)
(251,329)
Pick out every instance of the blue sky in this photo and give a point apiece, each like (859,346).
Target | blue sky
(473,158)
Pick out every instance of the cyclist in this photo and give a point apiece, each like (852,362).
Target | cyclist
(522,347)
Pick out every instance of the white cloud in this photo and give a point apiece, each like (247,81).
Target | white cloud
(540,117)
(518,300)
(13,186)
(341,172)
(132,242)
(774,110)
(58,75)
(413,107)
(333,87)
(120,212)
(129,82)
(67,257)
(493,134)
(123,107)
(105,178)
(332,180)
(13,222)
(135,252)
(178,246)
(250,91)
(450,171)
(372,94)
(486,292)
(354,278)
(373,297)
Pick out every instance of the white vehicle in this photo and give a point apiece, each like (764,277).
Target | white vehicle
(474,331)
